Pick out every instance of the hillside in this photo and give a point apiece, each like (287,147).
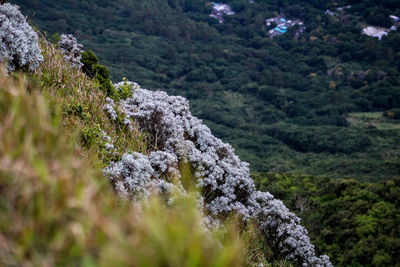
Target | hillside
(76,150)
(95,173)
(56,207)
(294,103)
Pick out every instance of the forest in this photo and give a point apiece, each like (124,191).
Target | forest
(312,104)
(355,223)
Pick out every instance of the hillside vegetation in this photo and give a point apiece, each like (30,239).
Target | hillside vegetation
(286,103)
(66,129)
(56,206)
(355,223)
(95,173)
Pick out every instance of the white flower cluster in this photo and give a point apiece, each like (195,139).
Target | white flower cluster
(71,49)
(108,145)
(109,108)
(165,165)
(282,229)
(18,41)
(223,178)
(132,175)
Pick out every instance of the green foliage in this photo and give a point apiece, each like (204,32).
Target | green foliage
(124,89)
(77,109)
(355,223)
(89,137)
(89,59)
(93,69)
(240,82)
(322,139)
(55,38)
(102,75)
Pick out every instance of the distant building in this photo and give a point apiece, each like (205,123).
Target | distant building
(342,8)
(377,32)
(330,13)
(283,25)
(280,30)
(219,10)
(337,12)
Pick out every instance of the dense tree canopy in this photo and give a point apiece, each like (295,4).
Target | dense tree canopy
(355,223)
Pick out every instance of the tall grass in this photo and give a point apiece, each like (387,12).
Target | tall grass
(81,102)
(57,209)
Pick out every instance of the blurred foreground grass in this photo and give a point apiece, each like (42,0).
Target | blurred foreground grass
(57,209)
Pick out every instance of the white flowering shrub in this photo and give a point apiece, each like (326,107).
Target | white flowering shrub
(282,229)
(18,41)
(221,176)
(71,49)
(165,165)
(131,175)
(113,112)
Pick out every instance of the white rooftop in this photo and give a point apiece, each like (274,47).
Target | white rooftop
(377,32)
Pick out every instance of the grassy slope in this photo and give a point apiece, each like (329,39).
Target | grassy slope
(56,207)
(81,102)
